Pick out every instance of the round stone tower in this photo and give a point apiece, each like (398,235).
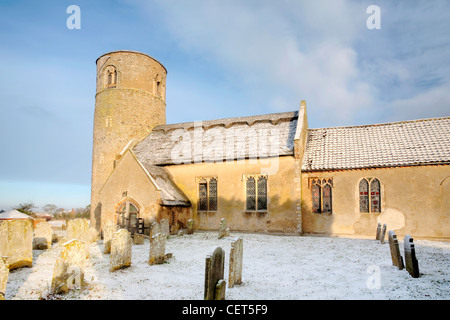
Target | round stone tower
(130,100)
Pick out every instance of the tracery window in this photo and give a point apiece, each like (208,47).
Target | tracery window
(256,193)
(207,194)
(321,194)
(127,215)
(369,195)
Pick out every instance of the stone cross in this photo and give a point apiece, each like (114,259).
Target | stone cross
(164,227)
(397,259)
(78,229)
(69,267)
(108,233)
(120,250)
(4,272)
(190,226)
(214,270)
(155,229)
(157,249)
(16,243)
(378,231)
(42,236)
(383,234)
(236,257)
(412,265)
(223,230)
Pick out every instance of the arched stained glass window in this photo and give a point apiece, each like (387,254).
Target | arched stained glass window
(251,194)
(212,194)
(316,198)
(327,201)
(363,196)
(262,193)
(375,196)
(203,195)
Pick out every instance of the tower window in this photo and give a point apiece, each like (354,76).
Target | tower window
(111,76)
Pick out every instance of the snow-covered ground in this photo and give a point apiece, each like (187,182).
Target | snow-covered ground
(274,267)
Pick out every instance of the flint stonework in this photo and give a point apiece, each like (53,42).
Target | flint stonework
(411,262)
(397,259)
(157,249)
(121,244)
(69,267)
(16,243)
(108,234)
(214,271)
(223,230)
(236,257)
(43,233)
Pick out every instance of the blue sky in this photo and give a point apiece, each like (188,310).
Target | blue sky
(224,59)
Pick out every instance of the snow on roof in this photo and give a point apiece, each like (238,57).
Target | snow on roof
(13,214)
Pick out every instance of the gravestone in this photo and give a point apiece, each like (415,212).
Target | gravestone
(155,229)
(108,234)
(190,226)
(164,227)
(397,259)
(43,233)
(93,235)
(4,272)
(383,234)
(223,230)
(138,238)
(16,243)
(411,262)
(219,293)
(78,229)
(69,267)
(157,249)
(214,270)
(236,257)
(378,232)
(120,250)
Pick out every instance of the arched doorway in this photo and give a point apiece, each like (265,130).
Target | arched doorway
(128,216)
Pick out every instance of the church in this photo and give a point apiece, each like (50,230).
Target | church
(266,173)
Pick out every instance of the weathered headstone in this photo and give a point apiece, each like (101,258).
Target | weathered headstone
(78,229)
(93,235)
(138,238)
(411,262)
(16,243)
(223,230)
(383,234)
(219,293)
(378,231)
(43,233)
(4,272)
(69,267)
(121,244)
(214,270)
(397,259)
(108,234)
(236,257)
(190,226)
(157,249)
(155,229)
(164,227)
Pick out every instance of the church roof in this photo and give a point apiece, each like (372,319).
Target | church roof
(405,143)
(171,194)
(230,138)
(14,214)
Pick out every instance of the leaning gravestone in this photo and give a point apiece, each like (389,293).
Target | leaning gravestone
(412,264)
(383,234)
(108,234)
(157,249)
(397,259)
(223,230)
(69,267)
(190,226)
(378,232)
(164,227)
(43,234)
(78,229)
(214,270)
(155,229)
(16,243)
(4,272)
(236,256)
(120,250)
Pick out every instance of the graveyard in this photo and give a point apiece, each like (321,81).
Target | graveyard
(271,267)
